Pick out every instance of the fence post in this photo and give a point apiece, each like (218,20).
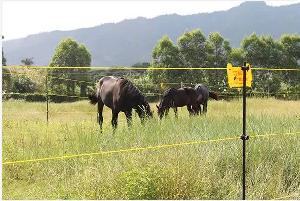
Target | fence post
(181,85)
(47,98)
(244,137)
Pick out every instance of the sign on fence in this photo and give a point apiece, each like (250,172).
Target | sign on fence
(235,76)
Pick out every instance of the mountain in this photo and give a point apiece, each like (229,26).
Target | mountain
(131,41)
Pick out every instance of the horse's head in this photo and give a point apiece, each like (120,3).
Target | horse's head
(160,111)
(148,111)
(164,104)
(144,110)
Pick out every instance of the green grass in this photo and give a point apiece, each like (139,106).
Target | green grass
(203,171)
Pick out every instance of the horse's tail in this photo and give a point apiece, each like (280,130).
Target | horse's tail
(213,95)
(93,98)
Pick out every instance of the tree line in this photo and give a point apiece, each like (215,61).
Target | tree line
(192,50)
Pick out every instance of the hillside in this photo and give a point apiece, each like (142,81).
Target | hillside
(131,41)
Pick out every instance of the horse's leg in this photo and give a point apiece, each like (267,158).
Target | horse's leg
(175,111)
(200,110)
(129,117)
(167,111)
(114,120)
(195,109)
(205,107)
(189,108)
(99,116)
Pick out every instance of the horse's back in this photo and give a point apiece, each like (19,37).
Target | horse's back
(107,86)
(118,93)
(185,96)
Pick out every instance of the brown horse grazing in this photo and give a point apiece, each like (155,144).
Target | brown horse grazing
(173,98)
(120,95)
(204,93)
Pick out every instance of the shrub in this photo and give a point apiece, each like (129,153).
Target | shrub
(140,185)
(23,84)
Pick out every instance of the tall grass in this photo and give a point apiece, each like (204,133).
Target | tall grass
(204,171)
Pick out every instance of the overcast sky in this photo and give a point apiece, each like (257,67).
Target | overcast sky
(22,18)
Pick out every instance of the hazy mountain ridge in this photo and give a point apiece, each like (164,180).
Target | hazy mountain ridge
(131,41)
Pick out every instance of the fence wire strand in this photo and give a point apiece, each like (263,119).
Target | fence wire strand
(285,197)
(70,96)
(150,68)
(134,149)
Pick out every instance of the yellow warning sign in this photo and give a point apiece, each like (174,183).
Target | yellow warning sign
(235,76)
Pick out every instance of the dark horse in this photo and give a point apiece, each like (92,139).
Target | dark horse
(204,93)
(173,98)
(120,95)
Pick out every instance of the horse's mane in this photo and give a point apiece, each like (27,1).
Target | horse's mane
(131,89)
(169,92)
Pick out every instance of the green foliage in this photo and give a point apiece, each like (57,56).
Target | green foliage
(3,59)
(264,51)
(291,49)
(291,58)
(70,54)
(141,64)
(218,49)
(254,50)
(194,50)
(27,61)
(23,84)
(165,54)
(236,56)
(218,54)
(140,184)
(6,80)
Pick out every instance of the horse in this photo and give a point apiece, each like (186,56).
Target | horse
(173,98)
(120,95)
(204,93)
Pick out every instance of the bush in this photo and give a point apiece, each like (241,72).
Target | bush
(13,96)
(35,98)
(140,185)
(60,99)
(23,84)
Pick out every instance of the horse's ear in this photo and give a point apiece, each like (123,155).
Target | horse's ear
(157,106)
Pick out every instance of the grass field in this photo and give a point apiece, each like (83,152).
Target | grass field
(200,171)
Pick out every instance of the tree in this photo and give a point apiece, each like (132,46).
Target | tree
(263,51)
(291,58)
(141,64)
(193,52)
(218,54)
(70,54)
(3,58)
(165,54)
(291,49)
(192,47)
(27,61)
(6,75)
(236,57)
(6,80)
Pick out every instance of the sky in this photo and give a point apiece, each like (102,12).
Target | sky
(22,18)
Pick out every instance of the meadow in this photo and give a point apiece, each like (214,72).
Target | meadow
(198,171)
